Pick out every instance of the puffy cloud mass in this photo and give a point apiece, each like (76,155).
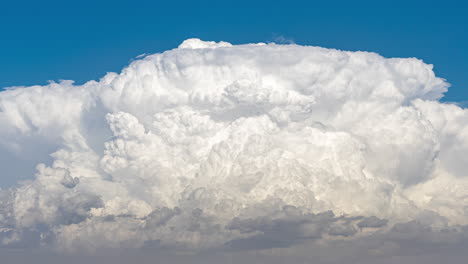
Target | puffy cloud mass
(238,148)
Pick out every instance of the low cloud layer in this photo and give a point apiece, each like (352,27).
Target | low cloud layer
(282,150)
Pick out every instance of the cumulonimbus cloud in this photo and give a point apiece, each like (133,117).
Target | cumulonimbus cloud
(239,147)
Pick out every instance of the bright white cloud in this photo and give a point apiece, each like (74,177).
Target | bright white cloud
(245,147)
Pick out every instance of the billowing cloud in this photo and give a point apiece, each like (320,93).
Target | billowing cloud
(216,147)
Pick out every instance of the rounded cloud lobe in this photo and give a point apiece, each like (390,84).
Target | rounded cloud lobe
(213,146)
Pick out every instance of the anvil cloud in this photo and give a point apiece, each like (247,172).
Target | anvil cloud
(239,148)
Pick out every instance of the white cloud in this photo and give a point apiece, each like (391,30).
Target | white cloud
(250,147)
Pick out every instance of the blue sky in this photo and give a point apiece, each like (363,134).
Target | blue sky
(82,40)
(253,154)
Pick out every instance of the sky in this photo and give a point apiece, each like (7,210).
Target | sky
(82,40)
(147,132)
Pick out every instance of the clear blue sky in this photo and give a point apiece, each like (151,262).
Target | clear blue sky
(82,40)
